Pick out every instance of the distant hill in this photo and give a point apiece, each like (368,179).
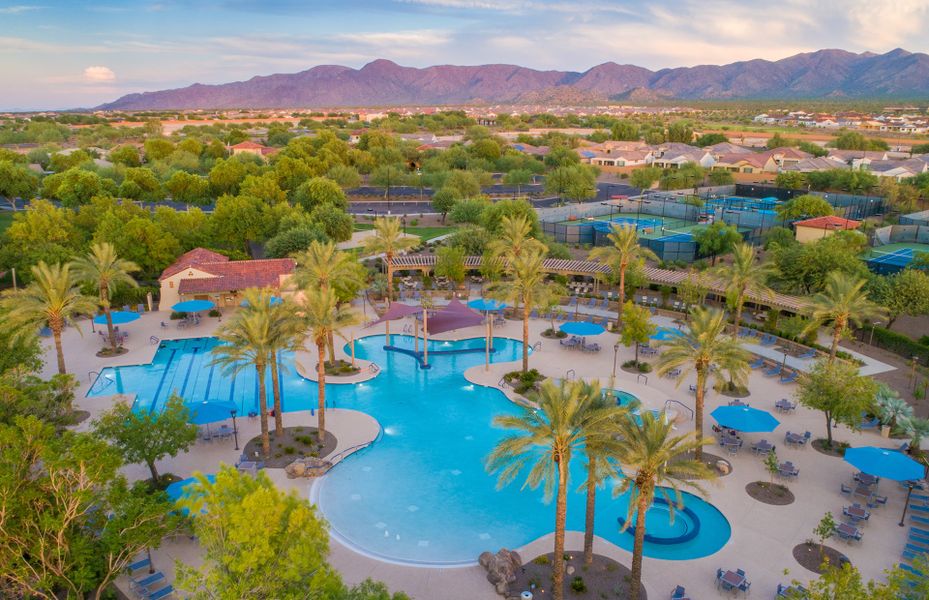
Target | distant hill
(821,74)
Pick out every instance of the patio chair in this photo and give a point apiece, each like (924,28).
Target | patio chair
(139,564)
(757,363)
(140,583)
(604,304)
(679,593)
(768,340)
(140,308)
(877,501)
(745,586)
(869,423)
(773,371)
(534,314)
(846,490)
(808,354)
(592,303)
(848,536)
(572,301)
(790,377)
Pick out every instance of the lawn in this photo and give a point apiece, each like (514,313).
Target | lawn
(426,233)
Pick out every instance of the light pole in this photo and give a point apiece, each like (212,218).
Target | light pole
(615,354)
(909,490)
(403,221)
(235,429)
(871,338)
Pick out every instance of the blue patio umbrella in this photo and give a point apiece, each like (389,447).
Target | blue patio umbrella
(275,300)
(486,304)
(119,317)
(745,419)
(191,306)
(883,462)
(887,463)
(183,489)
(210,411)
(581,328)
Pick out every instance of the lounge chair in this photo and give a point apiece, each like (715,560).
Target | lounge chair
(161,593)
(918,539)
(572,301)
(911,570)
(808,354)
(773,371)
(604,304)
(790,377)
(920,531)
(140,583)
(679,593)
(757,363)
(918,519)
(139,564)
(592,303)
(768,340)
(534,314)
(869,424)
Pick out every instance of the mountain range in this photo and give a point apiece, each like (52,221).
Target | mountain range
(832,74)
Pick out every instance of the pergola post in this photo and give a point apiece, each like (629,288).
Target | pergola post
(425,338)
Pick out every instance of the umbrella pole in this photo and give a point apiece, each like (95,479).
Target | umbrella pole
(353,350)
(906,505)
(425,338)
(415,335)
(487,345)
(387,329)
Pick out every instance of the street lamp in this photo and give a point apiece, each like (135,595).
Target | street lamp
(615,354)
(235,429)
(871,338)
(403,221)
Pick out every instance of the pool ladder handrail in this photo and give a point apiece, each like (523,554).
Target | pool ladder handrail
(537,346)
(154,340)
(670,401)
(570,375)
(91,375)
(502,383)
(641,376)
(373,367)
(347,452)
(407,328)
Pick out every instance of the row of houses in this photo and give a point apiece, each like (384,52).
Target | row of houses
(913,122)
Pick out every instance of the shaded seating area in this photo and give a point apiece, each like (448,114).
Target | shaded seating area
(785,406)
(795,439)
(763,447)
(848,533)
(147,583)
(679,593)
(787,470)
(791,591)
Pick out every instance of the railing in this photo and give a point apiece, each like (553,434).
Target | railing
(347,452)
(502,383)
(570,374)
(537,346)
(640,376)
(373,367)
(153,340)
(668,403)
(92,375)
(407,328)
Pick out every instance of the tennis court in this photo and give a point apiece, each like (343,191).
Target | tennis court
(892,258)
(761,205)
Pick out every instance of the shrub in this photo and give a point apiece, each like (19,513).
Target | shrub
(578,585)
(900,344)
(176,316)
(290,450)
(541,560)
(214,312)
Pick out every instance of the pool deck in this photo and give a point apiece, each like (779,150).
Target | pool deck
(762,535)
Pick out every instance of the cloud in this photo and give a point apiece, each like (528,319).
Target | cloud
(395,38)
(99,74)
(17,9)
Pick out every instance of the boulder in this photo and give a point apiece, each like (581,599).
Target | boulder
(501,569)
(307,467)
(723,467)
(295,469)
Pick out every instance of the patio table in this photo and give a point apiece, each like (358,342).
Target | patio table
(863,490)
(848,531)
(762,447)
(865,479)
(857,513)
(732,580)
(223,431)
(784,406)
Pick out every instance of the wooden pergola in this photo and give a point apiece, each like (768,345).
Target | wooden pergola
(588,268)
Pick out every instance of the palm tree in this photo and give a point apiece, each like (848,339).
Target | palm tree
(624,252)
(323,265)
(743,277)
(543,442)
(704,348)
(842,302)
(323,316)
(103,269)
(388,239)
(286,332)
(515,237)
(653,457)
(53,299)
(247,338)
(526,286)
(599,448)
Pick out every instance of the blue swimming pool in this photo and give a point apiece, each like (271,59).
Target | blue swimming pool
(420,494)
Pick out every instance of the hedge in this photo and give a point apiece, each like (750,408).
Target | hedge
(900,344)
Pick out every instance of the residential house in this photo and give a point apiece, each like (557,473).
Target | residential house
(818,228)
(250,147)
(857,159)
(816,163)
(202,274)
(898,169)
(627,158)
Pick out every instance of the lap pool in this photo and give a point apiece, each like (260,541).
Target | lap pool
(420,493)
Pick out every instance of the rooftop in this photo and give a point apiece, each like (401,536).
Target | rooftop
(829,222)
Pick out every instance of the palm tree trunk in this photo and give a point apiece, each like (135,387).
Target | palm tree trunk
(738,313)
(836,336)
(59,350)
(263,409)
(698,411)
(111,333)
(638,546)
(828,428)
(331,344)
(590,508)
(561,513)
(276,394)
(526,337)
(390,276)
(321,390)
(622,297)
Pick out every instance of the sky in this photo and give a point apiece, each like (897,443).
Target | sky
(67,54)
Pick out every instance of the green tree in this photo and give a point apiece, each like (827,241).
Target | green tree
(443,201)
(720,178)
(519,178)
(624,252)
(264,187)
(468,210)
(345,175)
(319,190)
(577,182)
(324,316)
(188,188)
(526,286)
(107,272)
(544,442)
(705,349)
(790,179)
(804,207)
(644,177)
(823,531)
(388,240)
(258,542)
(709,139)
(836,389)
(226,176)
(625,130)
(17,181)
(852,140)
(654,457)
(144,436)
(716,238)
(157,149)
(907,293)
(842,302)
(680,131)
(462,184)
(75,187)
(53,299)
(450,263)
(334,221)
(637,326)
(493,214)
(237,220)
(126,155)
(743,277)
(803,268)
(248,342)
(71,524)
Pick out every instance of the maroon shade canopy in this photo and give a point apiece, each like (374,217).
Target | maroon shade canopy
(397,310)
(454,316)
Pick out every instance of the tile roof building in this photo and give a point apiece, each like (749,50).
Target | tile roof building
(204,274)
(817,228)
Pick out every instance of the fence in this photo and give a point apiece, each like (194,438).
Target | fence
(851,206)
(917,218)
